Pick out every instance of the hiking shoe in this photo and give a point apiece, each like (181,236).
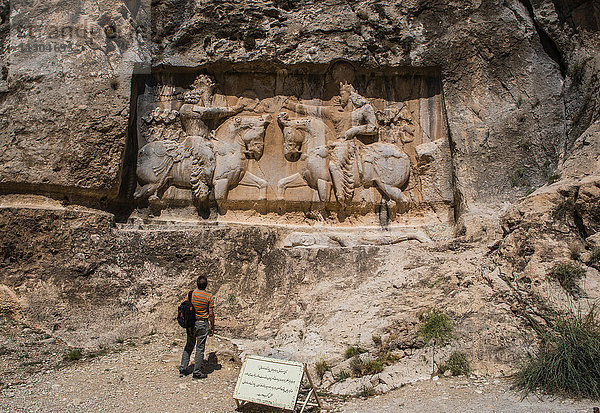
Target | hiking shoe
(199,376)
(183,373)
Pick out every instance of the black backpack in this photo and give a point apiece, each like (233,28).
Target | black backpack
(186,313)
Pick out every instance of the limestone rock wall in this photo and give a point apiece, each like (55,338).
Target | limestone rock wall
(65,93)
(88,282)
(504,66)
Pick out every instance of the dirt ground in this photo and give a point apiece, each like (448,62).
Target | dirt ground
(142,375)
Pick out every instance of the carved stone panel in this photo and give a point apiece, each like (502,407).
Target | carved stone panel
(333,141)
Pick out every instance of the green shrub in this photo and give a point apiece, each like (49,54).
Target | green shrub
(568,274)
(361,368)
(457,363)
(341,376)
(231,300)
(524,143)
(435,327)
(74,354)
(321,367)
(435,330)
(517,177)
(357,366)
(388,358)
(373,367)
(595,256)
(352,351)
(555,177)
(567,361)
(366,391)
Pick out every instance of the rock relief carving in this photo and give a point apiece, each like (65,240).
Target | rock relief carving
(342,154)
(161,125)
(351,161)
(202,159)
(397,124)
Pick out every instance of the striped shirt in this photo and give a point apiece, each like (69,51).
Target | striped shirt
(202,300)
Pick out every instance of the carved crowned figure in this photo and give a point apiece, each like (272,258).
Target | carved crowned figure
(199,116)
(353,118)
(193,162)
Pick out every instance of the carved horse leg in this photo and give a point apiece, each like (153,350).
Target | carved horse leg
(146,191)
(221,189)
(392,193)
(254,181)
(292,181)
(338,182)
(151,190)
(323,189)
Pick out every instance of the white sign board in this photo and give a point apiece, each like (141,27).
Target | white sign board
(269,381)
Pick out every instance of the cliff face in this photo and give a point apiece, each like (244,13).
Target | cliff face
(503,91)
(65,92)
(515,100)
(518,78)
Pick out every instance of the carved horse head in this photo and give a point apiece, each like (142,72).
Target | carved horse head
(295,132)
(251,134)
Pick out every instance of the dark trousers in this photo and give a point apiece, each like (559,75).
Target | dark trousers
(196,336)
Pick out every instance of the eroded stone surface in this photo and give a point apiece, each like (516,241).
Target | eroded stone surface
(512,107)
(323,145)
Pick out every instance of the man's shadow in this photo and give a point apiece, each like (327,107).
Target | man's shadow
(210,364)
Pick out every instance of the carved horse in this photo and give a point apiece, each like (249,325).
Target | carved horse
(380,165)
(237,141)
(197,163)
(304,141)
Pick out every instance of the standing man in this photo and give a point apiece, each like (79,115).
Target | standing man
(204,304)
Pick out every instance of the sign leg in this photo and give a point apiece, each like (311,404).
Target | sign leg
(312,387)
(307,399)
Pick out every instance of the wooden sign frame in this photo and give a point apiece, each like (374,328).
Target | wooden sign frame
(303,404)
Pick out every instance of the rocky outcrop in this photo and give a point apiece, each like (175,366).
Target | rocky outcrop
(516,85)
(65,94)
(569,29)
(502,81)
(76,273)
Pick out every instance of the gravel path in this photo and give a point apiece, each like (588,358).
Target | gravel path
(464,395)
(145,378)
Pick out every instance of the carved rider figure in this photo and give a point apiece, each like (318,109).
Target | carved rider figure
(199,116)
(353,118)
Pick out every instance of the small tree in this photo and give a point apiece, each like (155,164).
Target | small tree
(435,330)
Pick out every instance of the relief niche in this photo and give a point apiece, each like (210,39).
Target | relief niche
(293,144)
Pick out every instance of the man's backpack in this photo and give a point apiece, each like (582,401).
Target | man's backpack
(186,313)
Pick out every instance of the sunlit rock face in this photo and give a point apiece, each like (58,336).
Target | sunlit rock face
(336,143)
(308,157)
